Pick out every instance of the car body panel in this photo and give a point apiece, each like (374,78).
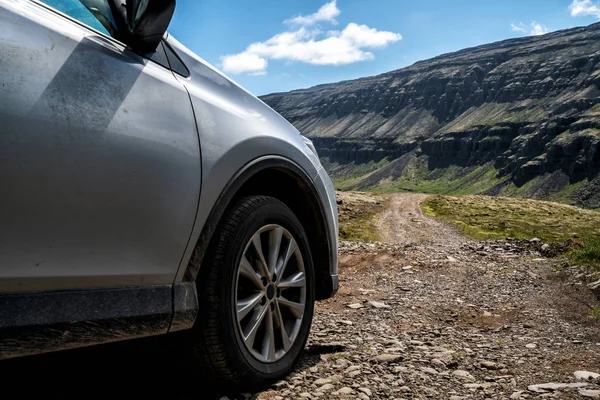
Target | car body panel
(111,166)
(99,159)
(326,191)
(235,128)
(34,323)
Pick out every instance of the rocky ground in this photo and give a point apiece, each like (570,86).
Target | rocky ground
(435,315)
(426,315)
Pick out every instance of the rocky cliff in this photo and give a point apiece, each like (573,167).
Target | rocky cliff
(520,117)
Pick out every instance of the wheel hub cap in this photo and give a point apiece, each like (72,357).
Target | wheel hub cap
(270,293)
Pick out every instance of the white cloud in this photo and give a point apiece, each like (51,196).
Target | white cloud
(533,29)
(580,8)
(538,29)
(311,46)
(244,62)
(520,27)
(326,13)
(363,36)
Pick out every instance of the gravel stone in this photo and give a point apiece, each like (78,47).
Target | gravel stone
(586,375)
(385,358)
(433,341)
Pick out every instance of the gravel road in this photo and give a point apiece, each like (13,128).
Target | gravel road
(430,314)
(426,315)
(404,222)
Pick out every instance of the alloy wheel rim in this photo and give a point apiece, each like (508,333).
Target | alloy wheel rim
(270,293)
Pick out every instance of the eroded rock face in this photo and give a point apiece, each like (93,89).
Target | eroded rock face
(530,105)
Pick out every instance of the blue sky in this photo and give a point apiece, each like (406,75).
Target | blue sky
(279,45)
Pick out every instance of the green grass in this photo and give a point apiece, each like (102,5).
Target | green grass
(415,176)
(595,313)
(486,217)
(589,253)
(566,195)
(490,114)
(358,217)
(346,176)
(451,180)
(360,229)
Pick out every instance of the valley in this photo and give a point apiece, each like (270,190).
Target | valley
(519,117)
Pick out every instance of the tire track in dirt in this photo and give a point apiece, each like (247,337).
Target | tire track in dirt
(404,222)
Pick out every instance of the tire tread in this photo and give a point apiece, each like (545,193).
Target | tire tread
(210,349)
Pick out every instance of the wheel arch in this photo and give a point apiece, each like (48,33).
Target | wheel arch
(284,180)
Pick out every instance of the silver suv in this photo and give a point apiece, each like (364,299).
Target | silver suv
(144,193)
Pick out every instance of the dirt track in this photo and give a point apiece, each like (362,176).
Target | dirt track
(404,222)
(436,317)
(439,316)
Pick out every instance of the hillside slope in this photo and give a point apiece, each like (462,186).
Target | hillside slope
(517,117)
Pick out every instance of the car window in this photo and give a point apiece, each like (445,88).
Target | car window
(176,64)
(93,13)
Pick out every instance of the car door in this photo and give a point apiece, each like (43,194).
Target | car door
(99,155)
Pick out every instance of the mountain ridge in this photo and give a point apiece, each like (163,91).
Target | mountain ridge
(522,114)
(443,55)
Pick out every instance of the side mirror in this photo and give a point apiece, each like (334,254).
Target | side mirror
(143,23)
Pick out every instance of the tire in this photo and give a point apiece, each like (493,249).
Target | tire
(217,338)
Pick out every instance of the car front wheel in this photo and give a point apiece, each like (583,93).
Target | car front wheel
(256,294)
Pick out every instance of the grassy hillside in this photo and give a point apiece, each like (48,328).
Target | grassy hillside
(358,215)
(517,118)
(486,217)
(412,174)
